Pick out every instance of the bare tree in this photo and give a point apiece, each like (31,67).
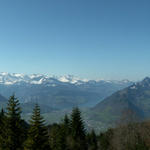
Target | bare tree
(129,133)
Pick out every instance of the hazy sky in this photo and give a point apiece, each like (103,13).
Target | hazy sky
(93,39)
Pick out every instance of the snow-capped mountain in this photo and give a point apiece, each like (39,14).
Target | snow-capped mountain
(58,92)
(16,78)
(13,78)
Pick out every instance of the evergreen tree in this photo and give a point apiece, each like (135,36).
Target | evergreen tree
(57,137)
(2,130)
(66,120)
(2,120)
(65,133)
(78,132)
(37,134)
(105,140)
(92,141)
(14,136)
(59,133)
(66,125)
(62,137)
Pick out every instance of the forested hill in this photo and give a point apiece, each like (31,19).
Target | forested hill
(69,134)
(135,97)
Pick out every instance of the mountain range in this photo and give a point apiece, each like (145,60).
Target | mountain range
(106,100)
(57,92)
(135,97)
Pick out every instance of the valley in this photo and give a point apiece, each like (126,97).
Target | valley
(102,102)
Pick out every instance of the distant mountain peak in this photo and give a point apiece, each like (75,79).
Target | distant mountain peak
(58,92)
(146,80)
(144,83)
(135,97)
(16,78)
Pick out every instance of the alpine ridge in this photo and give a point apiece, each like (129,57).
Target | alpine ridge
(135,97)
(16,78)
(58,92)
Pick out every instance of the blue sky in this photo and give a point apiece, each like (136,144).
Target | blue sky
(92,39)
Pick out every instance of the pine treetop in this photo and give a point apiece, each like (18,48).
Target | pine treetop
(13,108)
(36,118)
(77,124)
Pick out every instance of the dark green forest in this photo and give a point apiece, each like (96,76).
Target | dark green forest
(70,133)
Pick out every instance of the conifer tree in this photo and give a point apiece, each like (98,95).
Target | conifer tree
(66,120)
(64,133)
(37,134)
(14,130)
(57,137)
(2,130)
(105,139)
(62,138)
(59,134)
(66,125)
(92,141)
(78,132)
(2,120)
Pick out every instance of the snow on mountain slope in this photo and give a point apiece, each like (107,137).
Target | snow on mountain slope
(16,78)
(12,78)
(58,92)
